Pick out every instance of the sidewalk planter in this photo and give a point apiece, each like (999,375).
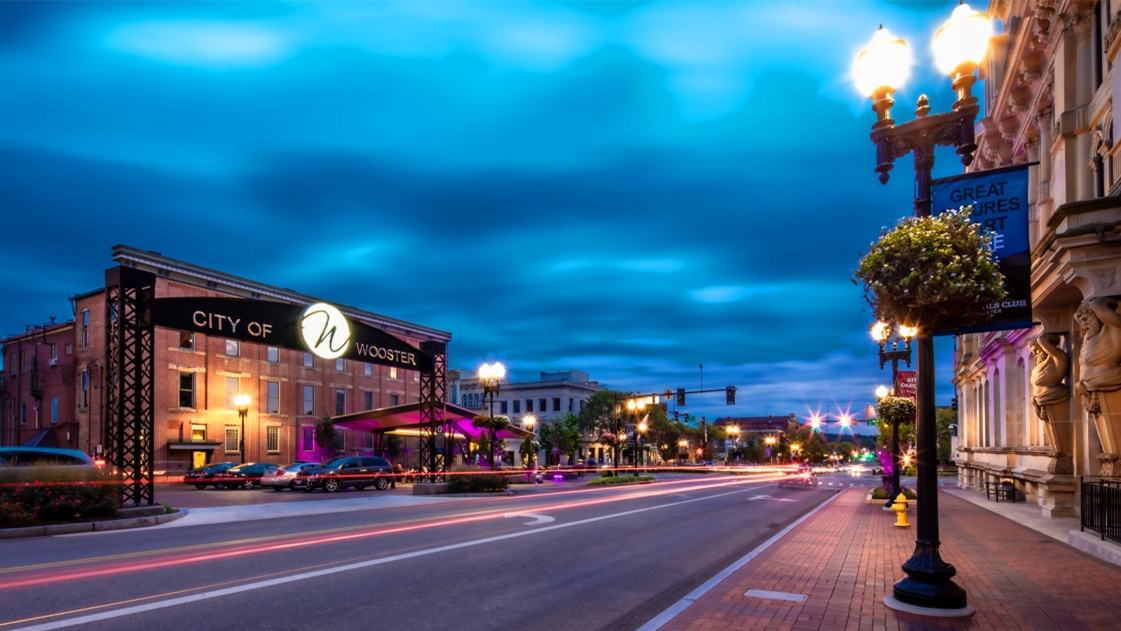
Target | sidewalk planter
(95,526)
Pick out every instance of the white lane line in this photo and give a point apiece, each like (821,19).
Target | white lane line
(537,519)
(661,619)
(183,600)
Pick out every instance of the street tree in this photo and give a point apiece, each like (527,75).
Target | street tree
(491,426)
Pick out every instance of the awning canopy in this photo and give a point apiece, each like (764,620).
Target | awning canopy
(405,419)
(45,438)
(192,446)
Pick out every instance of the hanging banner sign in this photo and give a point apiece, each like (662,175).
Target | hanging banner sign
(906,384)
(1000,205)
(319,328)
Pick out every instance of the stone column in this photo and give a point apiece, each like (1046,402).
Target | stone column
(1100,376)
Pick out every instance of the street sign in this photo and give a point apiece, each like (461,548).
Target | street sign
(906,384)
(1000,206)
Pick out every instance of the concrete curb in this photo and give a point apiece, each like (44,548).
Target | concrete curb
(91,526)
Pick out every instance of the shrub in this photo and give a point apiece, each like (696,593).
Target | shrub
(52,494)
(471,479)
(13,515)
(880,493)
(622,479)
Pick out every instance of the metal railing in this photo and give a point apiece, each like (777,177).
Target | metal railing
(1101,508)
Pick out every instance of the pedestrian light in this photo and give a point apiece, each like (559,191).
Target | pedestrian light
(961,43)
(885,63)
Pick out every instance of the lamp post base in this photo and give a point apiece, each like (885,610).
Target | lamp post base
(893,603)
(929,582)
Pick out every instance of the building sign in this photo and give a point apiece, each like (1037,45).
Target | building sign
(906,384)
(320,328)
(1000,205)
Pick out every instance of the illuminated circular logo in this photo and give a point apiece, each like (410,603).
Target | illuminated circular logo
(325,330)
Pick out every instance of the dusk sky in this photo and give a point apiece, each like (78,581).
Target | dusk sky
(626,189)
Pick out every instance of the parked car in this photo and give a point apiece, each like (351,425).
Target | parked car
(286,476)
(203,476)
(340,473)
(44,456)
(244,476)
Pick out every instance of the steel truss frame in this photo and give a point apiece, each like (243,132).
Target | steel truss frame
(436,448)
(129,384)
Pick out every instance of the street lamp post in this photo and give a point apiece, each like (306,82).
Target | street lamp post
(639,442)
(959,47)
(636,406)
(491,375)
(528,421)
(683,447)
(882,332)
(242,403)
(771,441)
(734,430)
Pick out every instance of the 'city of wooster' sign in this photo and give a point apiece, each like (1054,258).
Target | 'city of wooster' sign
(319,328)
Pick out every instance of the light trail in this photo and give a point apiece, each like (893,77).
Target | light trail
(303,540)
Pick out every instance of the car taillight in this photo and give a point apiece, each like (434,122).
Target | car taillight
(278,472)
(99,462)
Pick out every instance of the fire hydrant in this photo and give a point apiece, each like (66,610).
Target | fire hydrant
(900,508)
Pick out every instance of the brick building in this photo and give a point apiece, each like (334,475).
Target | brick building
(197,377)
(37,387)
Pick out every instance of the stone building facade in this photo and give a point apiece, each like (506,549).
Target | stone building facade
(1038,405)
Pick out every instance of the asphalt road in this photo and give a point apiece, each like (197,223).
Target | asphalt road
(570,557)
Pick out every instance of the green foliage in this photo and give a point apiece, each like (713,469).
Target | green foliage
(893,410)
(943,418)
(936,273)
(528,451)
(560,437)
(621,479)
(472,479)
(326,439)
(880,493)
(55,494)
(391,446)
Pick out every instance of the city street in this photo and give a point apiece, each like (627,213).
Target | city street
(568,558)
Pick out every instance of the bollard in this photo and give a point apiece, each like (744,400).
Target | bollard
(900,508)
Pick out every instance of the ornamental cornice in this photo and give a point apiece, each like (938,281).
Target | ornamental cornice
(1112,41)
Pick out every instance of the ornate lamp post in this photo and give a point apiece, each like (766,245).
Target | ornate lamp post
(794,449)
(242,403)
(771,441)
(636,407)
(959,47)
(734,430)
(683,448)
(491,375)
(528,421)
(640,444)
(882,332)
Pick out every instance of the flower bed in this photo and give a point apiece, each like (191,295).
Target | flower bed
(622,479)
(32,496)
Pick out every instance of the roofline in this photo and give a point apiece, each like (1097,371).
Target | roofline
(212,279)
(19,337)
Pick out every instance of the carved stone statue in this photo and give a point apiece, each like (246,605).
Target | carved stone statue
(1049,396)
(1099,365)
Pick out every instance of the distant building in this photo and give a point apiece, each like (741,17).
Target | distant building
(197,377)
(753,428)
(552,396)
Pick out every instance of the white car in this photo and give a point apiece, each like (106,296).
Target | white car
(287,476)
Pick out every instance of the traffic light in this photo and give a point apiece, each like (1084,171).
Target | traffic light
(675,415)
(954,405)
(681,396)
(730,395)
(686,417)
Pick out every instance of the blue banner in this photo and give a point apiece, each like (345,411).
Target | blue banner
(1000,205)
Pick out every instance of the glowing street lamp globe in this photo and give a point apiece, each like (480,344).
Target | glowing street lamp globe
(961,43)
(883,64)
(529,420)
(908,332)
(846,420)
(495,371)
(880,331)
(882,392)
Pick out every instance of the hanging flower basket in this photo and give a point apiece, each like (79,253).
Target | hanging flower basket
(892,410)
(937,273)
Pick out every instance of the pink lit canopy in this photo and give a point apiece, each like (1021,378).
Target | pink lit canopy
(406,419)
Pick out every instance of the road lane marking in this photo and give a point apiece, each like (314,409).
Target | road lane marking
(183,600)
(762,593)
(670,613)
(537,519)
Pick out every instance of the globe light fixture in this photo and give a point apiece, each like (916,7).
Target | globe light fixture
(529,420)
(882,392)
(961,43)
(883,66)
(242,403)
(846,420)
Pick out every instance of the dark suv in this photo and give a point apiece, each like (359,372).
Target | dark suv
(203,476)
(356,471)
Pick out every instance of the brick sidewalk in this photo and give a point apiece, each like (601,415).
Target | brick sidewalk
(847,556)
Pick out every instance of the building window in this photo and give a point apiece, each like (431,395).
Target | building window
(368,440)
(517,406)
(273,354)
(502,407)
(233,348)
(309,400)
(23,412)
(198,433)
(416,377)
(85,328)
(54,410)
(368,369)
(394,399)
(368,400)
(392,372)
(308,361)
(581,405)
(570,404)
(340,365)
(272,397)
(340,402)
(543,407)
(12,363)
(22,362)
(309,438)
(186,341)
(340,440)
(528,405)
(272,439)
(233,388)
(187,390)
(69,349)
(54,352)
(231,439)
(556,404)
(85,389)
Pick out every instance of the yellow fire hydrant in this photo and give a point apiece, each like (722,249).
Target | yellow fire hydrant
(900,508)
